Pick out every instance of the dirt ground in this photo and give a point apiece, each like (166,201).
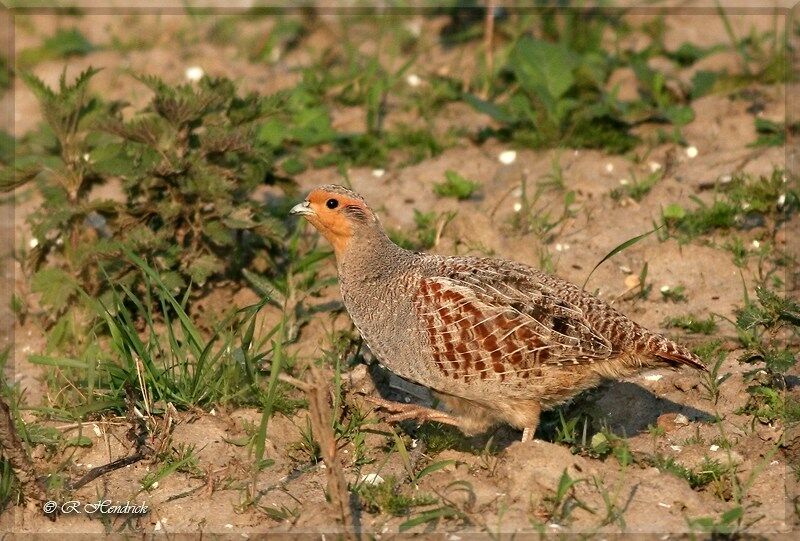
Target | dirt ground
(507,489)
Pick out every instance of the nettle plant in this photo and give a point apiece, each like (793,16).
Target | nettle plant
(769,329)
(187,169)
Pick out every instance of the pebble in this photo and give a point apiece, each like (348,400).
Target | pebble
(371,479)
(194,73)
(681,419)
(413,80)
(632,281)
(692,151)
(378,173)
(508,157)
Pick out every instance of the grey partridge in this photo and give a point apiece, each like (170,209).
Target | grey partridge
(496,341)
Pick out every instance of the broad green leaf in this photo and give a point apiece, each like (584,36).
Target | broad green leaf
(673,211)
(488,108)
(544,68)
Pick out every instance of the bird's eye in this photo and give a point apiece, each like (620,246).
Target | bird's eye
(332,203)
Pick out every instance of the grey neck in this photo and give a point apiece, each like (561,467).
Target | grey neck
(371,256)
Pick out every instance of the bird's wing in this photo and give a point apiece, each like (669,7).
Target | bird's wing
(489,324)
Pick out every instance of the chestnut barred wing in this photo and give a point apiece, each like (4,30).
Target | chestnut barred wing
(499,331)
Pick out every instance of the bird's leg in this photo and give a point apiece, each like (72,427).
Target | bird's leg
(527,434)
(531,422)
(402,412)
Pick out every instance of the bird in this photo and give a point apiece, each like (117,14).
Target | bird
(494,340)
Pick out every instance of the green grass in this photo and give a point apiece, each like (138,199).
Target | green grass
(744,197)
(637,189)
(391,498)
(455,186)
(692,324)
(707,472)
(171,361)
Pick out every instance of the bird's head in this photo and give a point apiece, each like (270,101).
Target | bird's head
(339,214)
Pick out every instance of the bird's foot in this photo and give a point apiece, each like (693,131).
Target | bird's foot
(401,412)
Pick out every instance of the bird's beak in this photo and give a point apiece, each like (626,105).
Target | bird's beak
(303,209)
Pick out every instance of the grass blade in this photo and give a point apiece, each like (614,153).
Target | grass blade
(627,244)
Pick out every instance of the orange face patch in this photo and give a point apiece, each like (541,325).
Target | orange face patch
(333,216)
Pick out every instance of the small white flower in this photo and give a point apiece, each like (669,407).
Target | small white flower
(782,200)
(86,156)
(33,243)
(691,151)
(194,73)
(756,244)
(517,206)
(371,479)
(59,241)
(714,448)
(378,173)
(562,247)
(664,289)
(624,181)
(654,166)
(609,167)
(508,157)
(745,205)
(413,80)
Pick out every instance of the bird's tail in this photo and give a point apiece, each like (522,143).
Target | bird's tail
(665,350)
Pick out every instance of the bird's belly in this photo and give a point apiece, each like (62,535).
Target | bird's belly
(393,337)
